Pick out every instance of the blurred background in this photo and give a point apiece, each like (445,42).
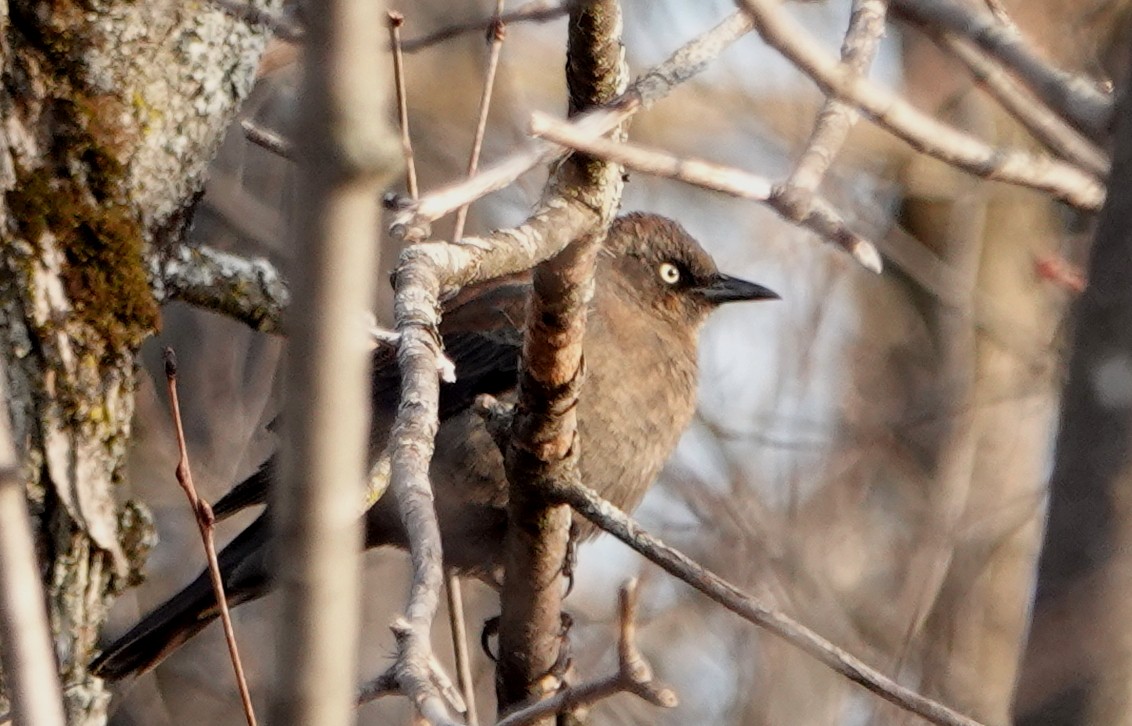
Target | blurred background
(870,454)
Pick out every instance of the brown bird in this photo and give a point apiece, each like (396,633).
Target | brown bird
(654,287)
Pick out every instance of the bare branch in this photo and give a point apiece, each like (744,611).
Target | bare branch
(921,131)
(426,271)
(544,447)
(587,503)
(634,675)
(538,11)
(1046,126)
(650,87)
(836,118)
(202,513)
(31,677)
(496,34)
(271,140)
(1075,99)
(249,290)
(395,22)
(821,218)
(452,587)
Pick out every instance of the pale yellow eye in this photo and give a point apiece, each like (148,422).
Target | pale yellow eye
(669,272)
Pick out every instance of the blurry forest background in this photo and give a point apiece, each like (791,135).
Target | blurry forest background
(871,455)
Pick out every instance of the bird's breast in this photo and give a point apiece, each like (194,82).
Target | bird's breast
(634,405)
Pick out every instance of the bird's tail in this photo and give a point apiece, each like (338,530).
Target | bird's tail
(244,573)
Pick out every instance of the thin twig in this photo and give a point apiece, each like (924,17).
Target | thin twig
(273,141)
(922,132)
(650,87)
(205,523)
(634,675)
(538,11)
(459,626)
(396,20)
(821,218)
(496,34)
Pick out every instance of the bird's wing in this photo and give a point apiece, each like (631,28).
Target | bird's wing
(482,336)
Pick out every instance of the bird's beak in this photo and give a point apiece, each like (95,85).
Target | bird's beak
(724,289)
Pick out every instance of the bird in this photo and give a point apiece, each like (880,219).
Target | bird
(654,286)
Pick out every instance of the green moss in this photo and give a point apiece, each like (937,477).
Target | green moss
(78,195)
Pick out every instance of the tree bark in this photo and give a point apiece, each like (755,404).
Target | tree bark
(111,112)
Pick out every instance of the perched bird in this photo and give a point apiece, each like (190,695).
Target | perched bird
(654,287)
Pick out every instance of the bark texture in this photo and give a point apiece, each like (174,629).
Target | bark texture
(111,111)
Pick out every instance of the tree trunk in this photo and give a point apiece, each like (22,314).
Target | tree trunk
(111,112)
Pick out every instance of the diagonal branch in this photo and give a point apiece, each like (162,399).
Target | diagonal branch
(1075,99)
(591,506)
(249,290)
(1045,125)
(836,118)
(654,84)
(820,219)
(916,128)
(537,11)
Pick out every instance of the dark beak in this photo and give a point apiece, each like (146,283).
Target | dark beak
(724,289)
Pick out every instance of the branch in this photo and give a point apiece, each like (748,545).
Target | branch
(396,20)
(1046,126)
(612,520)
(836,118)
(821,218)
(538,11)
(921,131)
(653,85)
(1075,99)
(634,675)
(543,447)
(427,272)
(202,513)
(31,677)
(268,139)
(249,290)
(496,34)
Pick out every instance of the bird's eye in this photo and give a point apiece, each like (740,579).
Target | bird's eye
(669,272)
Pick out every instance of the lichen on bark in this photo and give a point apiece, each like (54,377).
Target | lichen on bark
(109,113)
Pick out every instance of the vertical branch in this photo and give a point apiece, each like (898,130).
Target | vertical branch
(346,157)
(544,446)
(31,679)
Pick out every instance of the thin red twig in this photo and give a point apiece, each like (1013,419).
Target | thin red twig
(205,522)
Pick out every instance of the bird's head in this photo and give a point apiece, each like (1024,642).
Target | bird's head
(668,271)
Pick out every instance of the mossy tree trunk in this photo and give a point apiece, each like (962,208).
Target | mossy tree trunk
(110,111)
